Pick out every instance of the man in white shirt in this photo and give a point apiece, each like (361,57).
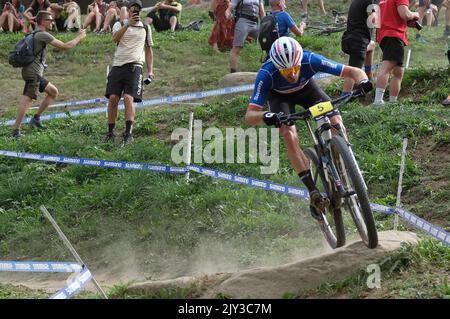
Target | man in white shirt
(134,45)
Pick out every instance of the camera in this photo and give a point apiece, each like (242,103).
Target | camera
(418,26)
(149,79)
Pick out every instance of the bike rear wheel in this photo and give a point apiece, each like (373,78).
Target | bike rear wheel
(332,228)
(357,203)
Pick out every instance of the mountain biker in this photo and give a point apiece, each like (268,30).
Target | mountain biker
(286,80)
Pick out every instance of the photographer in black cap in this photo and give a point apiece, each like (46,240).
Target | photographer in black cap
(134,45)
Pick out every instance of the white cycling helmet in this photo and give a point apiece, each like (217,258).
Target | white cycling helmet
(286,52)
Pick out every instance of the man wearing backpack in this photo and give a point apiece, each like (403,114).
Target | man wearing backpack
(277,24)
(246,14)
(134,46)
(33,73)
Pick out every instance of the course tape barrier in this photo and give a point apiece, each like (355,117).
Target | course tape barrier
(156,101)
(419,223)
(31,266)
(96,162)
(432,230)
(75,286)
(416,221)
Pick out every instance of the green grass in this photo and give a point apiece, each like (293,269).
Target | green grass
(159,224)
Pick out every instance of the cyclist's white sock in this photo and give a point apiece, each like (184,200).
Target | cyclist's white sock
(393,98)
(379,93)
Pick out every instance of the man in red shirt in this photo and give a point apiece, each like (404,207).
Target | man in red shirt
(395,16)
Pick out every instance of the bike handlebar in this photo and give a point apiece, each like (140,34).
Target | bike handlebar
(321,108)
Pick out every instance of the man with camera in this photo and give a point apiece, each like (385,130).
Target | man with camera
(33,74)
(134,45)
(395,17)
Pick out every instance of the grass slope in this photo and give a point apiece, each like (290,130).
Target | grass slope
(155,226)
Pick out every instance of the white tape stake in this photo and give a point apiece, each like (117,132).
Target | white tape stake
(400,181)
(407,59)
(70,247)
(106,79)
(189,146)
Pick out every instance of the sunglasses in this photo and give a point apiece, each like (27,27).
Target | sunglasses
(288,71)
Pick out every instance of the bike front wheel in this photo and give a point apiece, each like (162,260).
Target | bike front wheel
(333,226)
(356,199)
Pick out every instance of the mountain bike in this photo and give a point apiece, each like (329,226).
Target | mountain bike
(336,174)
(338,24)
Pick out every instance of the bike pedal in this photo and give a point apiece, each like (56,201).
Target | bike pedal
(316,215)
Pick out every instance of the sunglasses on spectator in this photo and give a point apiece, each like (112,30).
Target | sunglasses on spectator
(288,71)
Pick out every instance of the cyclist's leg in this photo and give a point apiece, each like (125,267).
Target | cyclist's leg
(280,103)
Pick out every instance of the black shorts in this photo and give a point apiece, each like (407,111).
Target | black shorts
(125,79)
(309,95)
(356,50)
(393,50)
(33,85)
(162,23)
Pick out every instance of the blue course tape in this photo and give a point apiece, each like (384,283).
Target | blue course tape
(75,286)
(96,162)
(162,100)
(416,221)
(428,228)
(294,191)
(156,101)
(32,266)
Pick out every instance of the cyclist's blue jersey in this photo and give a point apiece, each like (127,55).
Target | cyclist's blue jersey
(269,78)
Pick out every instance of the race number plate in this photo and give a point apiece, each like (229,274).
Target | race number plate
(321,108)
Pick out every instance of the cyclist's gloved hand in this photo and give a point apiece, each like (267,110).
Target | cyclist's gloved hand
(272,119)
(365,86)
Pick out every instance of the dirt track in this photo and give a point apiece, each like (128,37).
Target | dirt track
(275,282)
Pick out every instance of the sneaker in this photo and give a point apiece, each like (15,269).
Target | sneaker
(378,103)
(110,137)
(318,202)
(16,134)
(304,18)
(447,32)
(446,102)
(36,124)
(127,138)
(421,39)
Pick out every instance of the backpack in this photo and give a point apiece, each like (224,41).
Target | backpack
(268,32)
(238,10)
(23,53)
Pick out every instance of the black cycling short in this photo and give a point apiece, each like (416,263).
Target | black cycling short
(306,97)
(393,50)
(126,79)
(356,50)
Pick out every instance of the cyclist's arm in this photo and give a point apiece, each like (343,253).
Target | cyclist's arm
(255,109)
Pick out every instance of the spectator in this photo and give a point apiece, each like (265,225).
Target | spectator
(123,8)
(222,33)
(305,9)
(95,15)
(357,39)
(285,22)
(112,16)
(33,73)
(32,11)
(134,45)
(67,15)
(246,14)
(11,18)
(395,16)
(446,102)
(428,9)
(165,15)
(446,5)
(73,20)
